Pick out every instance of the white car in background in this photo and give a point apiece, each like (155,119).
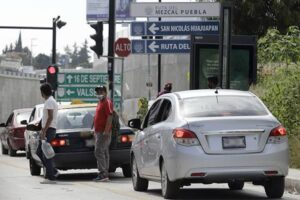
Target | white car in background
(209,136)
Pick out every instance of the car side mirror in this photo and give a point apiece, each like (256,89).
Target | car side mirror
(135,123)
(2,125)
(33,127)
(24,122)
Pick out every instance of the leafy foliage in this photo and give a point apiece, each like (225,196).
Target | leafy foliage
(274,47)
(255,17)
(281,93)
(143,108)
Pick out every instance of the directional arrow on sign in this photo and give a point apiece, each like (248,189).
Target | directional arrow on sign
(153,28)
(69,77)
(153,46)
(69,92)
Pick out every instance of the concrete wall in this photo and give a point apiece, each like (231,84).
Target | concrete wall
(18,92)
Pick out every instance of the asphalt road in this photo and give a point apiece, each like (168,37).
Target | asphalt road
(16,183)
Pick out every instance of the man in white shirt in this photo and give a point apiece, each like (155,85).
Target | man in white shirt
(49,121)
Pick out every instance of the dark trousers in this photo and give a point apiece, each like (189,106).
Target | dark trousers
(48,163)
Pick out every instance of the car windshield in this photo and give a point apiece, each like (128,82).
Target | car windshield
(74,118)
(218,106)
(22,116)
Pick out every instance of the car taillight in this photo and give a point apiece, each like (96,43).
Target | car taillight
(18,132)
(278,131)
(277,135)
(58,142)
(185,137)
(126,138)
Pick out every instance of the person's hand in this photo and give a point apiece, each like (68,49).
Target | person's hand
(106,133)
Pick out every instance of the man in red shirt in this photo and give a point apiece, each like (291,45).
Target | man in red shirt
(102,125)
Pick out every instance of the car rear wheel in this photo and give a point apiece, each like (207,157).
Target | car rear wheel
(11,151)
(169,189)
(126,169)
(35,170)
(236,185)
(274,187)
(4,151)
(27,151)
(139,184)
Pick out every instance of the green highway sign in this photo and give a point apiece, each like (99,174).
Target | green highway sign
(69,78)
(81,86)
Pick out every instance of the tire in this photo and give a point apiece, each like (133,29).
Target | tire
(139,184)
(35,170)
(11,152)
(169,189)
(126,169)
(28,153)
(237,185)
(274,187)
(4,151)
(112,169)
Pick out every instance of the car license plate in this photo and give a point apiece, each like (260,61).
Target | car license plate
(89,142)
(234,142)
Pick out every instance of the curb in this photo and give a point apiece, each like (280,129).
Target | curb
(292,185)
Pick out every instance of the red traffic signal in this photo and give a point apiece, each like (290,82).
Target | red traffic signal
(51,70)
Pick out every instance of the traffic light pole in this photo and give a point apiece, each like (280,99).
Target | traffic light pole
(111,40)
(54,41)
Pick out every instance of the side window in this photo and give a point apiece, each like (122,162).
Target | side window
(9,120)
(165,110)
(31,118)
(151,115)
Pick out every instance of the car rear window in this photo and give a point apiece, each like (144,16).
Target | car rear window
(22,116)
(218,106)
(74,118)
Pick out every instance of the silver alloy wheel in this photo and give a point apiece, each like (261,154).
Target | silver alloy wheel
(164,179)
(134,172)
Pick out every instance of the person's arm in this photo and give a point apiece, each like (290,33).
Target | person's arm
(109,110)
(48,122)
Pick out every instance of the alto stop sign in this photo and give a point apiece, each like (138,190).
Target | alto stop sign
(123,47)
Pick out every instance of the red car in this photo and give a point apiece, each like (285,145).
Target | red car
(12,136)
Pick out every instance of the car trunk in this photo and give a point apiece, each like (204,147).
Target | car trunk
(75,140)
(232,135)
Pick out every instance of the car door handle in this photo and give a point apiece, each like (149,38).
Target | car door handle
(158,136)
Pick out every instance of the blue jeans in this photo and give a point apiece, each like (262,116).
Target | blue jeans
(48,163)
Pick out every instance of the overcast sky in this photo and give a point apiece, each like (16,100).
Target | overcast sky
(40,13)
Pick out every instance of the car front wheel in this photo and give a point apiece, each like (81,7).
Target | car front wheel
(4,151)
(169,188)
(139,184)
(11,151)
(274,187)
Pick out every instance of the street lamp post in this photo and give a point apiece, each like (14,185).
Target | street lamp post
(55,23)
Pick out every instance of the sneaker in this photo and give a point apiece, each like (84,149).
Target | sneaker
(101,178)
(56,174)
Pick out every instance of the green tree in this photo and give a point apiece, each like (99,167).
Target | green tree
(255,17)
(83,55)
(19,47)
(41,61)
(26,57)
(274,47)
(74,56)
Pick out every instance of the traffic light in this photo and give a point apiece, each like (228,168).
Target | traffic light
(98,37)
(52,72)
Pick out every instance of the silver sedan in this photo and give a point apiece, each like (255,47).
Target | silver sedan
(209,136)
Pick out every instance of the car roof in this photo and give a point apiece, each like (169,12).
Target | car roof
(21,110)
(210,92)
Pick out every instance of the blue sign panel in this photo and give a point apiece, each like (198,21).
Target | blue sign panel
(160,46)
(98,10)
(174,28)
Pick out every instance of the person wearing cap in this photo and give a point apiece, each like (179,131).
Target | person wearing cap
(102,126)
(167,89)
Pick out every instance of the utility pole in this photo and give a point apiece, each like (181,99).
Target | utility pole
(111,40)
(159,65)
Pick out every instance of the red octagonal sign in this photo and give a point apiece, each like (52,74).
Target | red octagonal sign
(123,47)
